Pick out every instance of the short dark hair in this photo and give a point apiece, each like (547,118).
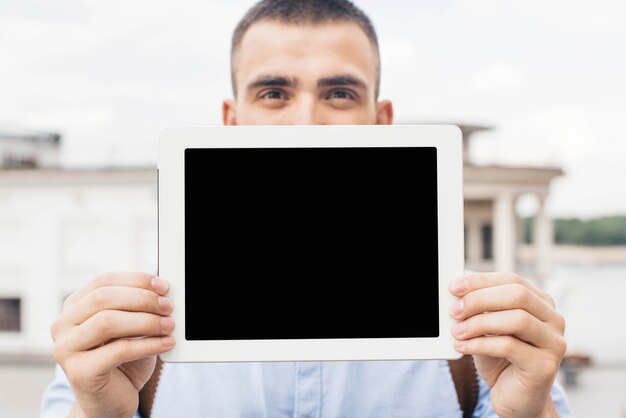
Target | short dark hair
(303,12)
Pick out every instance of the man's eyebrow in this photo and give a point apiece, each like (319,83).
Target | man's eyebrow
(272,81)
(341,80)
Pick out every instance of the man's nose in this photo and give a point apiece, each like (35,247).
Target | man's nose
(305,112)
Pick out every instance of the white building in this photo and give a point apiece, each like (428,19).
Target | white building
(60,228)
(493,229)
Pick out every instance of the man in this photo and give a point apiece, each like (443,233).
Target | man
(304,62)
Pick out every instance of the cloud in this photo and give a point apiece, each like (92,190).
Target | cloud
(578,19)
(498,76)
(547,75)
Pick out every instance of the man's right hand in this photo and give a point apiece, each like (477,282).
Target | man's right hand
(107,338)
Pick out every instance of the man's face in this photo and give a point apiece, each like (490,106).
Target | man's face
(306,75)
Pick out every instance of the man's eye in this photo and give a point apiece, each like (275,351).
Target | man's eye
(273,95)
(340,94)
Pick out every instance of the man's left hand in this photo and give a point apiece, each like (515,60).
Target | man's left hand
(516,337)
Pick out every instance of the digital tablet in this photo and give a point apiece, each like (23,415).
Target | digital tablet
(296,243)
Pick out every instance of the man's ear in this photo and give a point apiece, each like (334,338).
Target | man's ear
(229,116)
(384,112)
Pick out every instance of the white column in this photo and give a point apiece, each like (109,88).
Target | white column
(543,238)
(504,232)
(474,242)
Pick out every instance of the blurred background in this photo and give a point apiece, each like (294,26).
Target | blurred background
(537,87)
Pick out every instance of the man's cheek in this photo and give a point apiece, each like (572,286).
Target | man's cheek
(352,117)
(252,114)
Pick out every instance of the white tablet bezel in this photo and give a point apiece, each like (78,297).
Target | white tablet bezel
(172,144)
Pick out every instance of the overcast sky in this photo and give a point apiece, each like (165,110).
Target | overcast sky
(548,76)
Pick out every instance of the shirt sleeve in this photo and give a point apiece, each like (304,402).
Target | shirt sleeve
(58,398)
(484,410)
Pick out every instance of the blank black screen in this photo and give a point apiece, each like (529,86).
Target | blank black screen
(311,243)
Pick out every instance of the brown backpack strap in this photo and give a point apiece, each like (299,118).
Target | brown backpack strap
(465,381)
(147,393)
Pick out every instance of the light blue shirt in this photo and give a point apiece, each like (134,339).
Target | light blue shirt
(302,389)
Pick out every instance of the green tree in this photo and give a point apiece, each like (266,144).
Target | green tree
(607,230)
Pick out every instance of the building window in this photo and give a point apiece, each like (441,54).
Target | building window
(18,161)
(487,238)
(10,318)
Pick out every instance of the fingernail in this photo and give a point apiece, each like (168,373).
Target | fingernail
(165,304)
(457,307)
(459,285)
(168,340)
(158,284)
(459,328)
(459,345)
(167,324)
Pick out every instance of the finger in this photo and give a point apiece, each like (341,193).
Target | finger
(124,278)
(463,285)
(535,363)
(108,325)
(500,298)
(516,322)
(132,299)
(520,354)
(125,350)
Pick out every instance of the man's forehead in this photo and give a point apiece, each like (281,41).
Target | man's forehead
(305,38)
(289,50)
